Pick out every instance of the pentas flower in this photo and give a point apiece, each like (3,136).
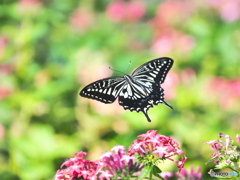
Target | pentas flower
(77,167)
(226,154)
(184,174)
(119,163)
(166,175)
(115,164)
(189,174)
(151,148)
(140,161)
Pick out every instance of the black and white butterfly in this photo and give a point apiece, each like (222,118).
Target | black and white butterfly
(136,92)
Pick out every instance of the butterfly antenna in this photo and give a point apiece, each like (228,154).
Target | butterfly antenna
(116,70)
(130,62)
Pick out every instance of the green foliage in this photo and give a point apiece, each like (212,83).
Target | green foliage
(49,50)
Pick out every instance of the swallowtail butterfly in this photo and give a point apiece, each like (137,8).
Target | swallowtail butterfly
(136,92)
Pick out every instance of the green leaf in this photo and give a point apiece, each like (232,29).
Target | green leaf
(156,171)
(145,172)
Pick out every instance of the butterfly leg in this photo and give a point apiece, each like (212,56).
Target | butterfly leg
(146,115)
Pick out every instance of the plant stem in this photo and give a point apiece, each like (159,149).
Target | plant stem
(151,173)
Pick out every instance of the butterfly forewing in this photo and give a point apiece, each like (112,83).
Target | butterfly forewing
(105,90)
(154,70)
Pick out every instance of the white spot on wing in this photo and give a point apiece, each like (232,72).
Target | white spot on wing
(105,90)
(125,95)
(109,91)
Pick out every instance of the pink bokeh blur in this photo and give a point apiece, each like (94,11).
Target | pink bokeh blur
(166,38)
(32,6)
(3,44)
(185,77)
(174,11)
(120,10)
(169,85)
(2,131)
(6,87)
(229,10)
(81,19)
(225,91)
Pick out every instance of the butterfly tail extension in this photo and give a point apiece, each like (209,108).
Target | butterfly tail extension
(167,104)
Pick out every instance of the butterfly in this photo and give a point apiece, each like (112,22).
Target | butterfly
(136,92)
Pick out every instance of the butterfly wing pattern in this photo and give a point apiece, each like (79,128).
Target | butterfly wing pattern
(136,92)
(105,90)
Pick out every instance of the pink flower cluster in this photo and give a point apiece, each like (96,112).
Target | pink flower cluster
(225,152)
(125,11)
(117,161)
(184,174)
(113,164)
(118,164)
(191,174)
(77,167)
(153,147)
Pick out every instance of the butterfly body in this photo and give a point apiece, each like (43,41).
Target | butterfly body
(136,92)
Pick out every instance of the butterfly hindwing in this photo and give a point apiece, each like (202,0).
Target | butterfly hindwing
(105,90)
(145,88)
(144,103)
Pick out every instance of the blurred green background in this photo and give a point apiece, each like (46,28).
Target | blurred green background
(51,49)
